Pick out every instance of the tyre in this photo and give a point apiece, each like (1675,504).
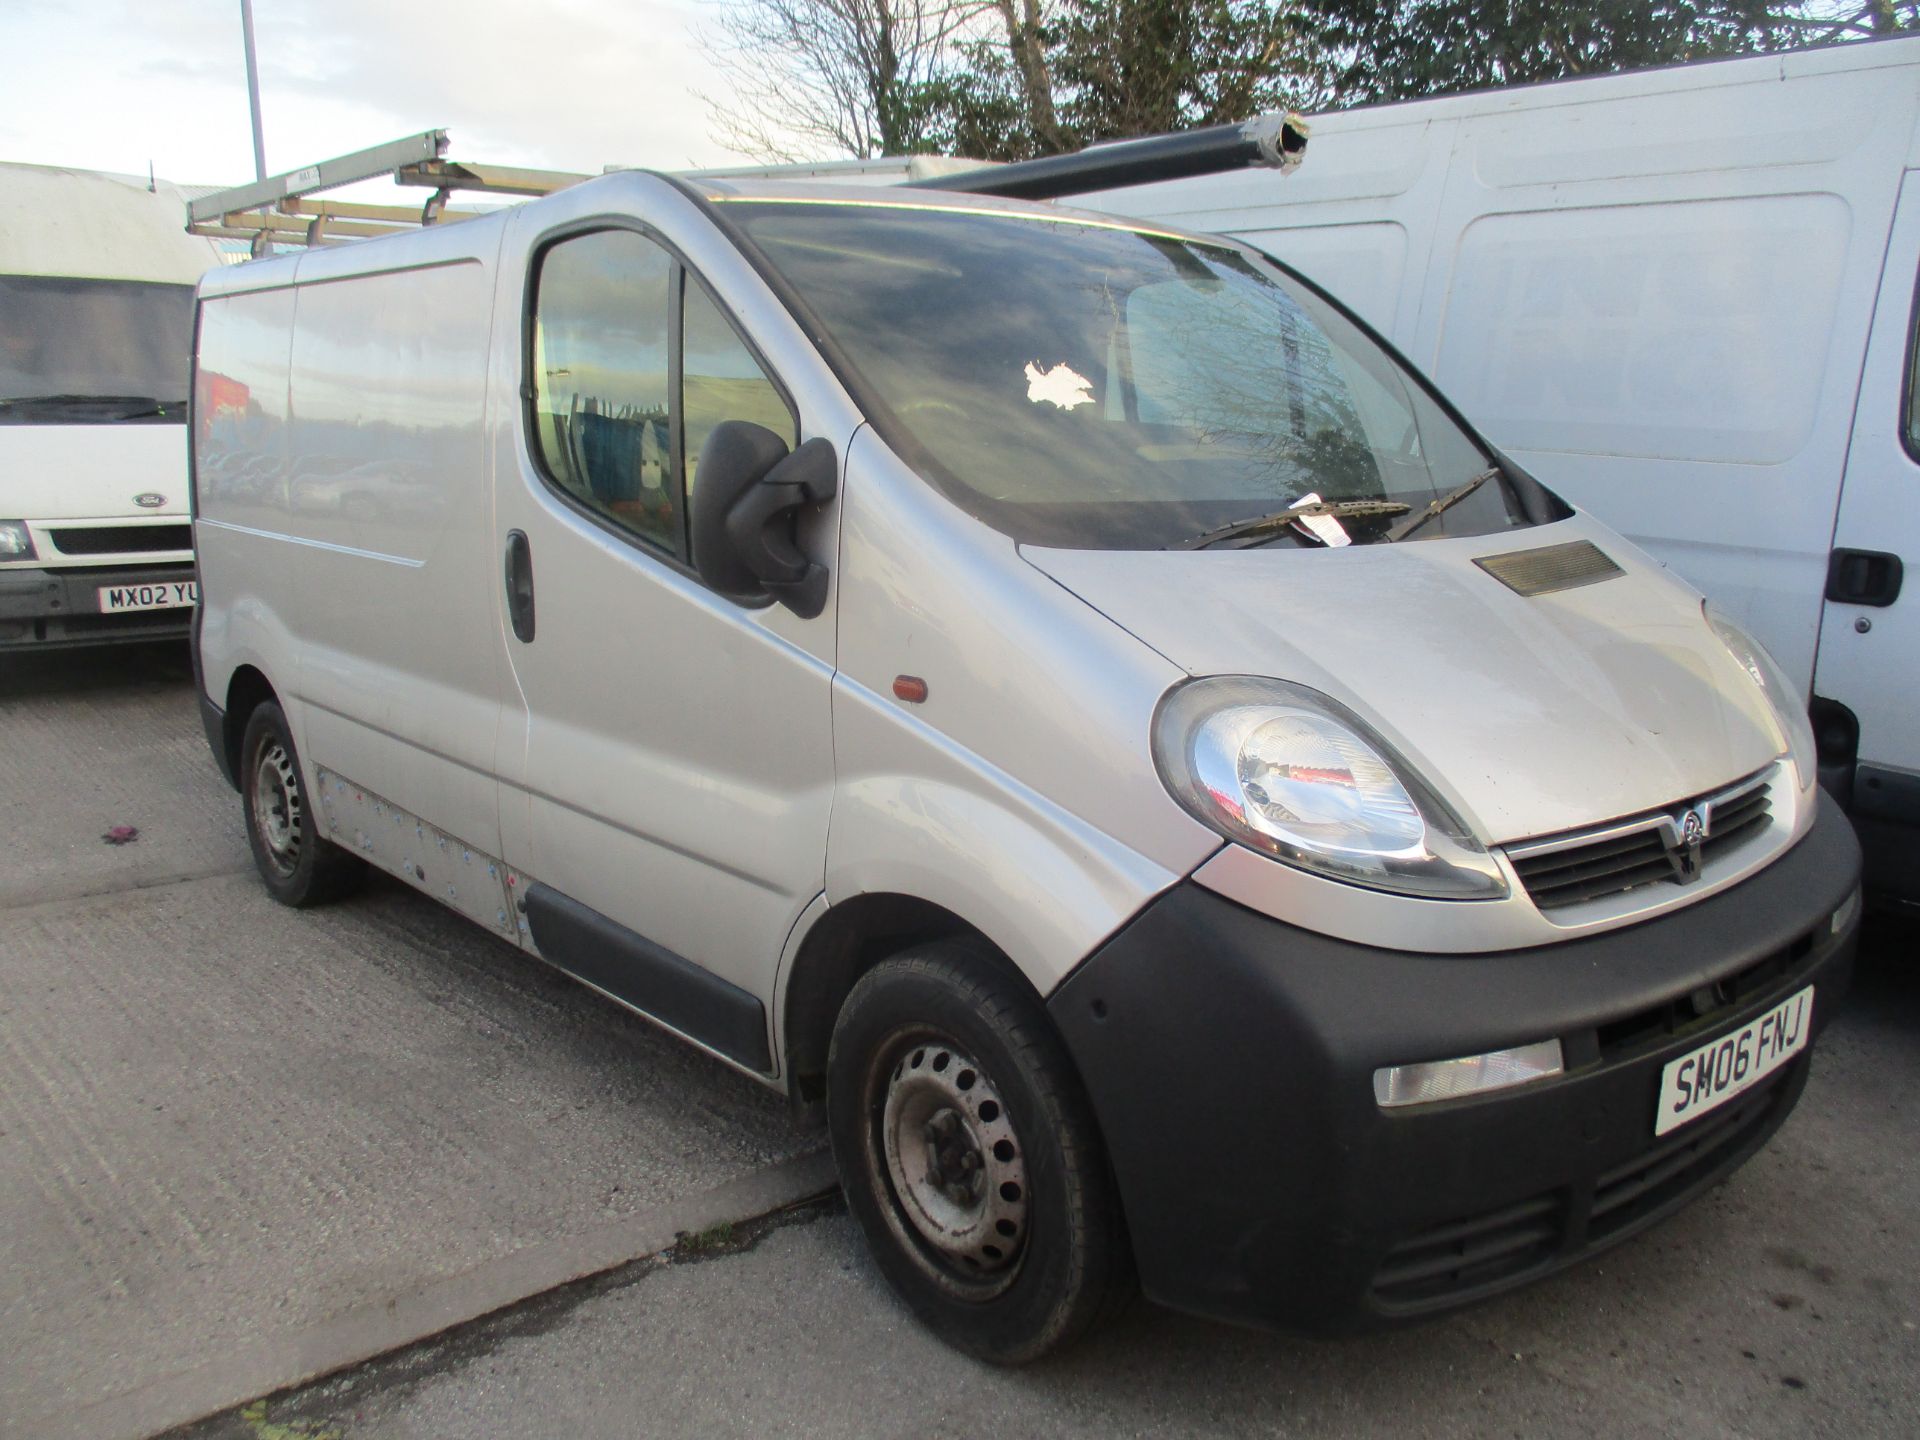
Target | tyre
(300,868)
(970,1156)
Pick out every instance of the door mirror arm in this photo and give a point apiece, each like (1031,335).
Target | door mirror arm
(746,505)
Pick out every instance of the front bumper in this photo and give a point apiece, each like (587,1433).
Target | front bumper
(1230,1060)
(58,607)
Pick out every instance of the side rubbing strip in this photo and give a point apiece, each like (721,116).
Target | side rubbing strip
(656,982)
(1557,567)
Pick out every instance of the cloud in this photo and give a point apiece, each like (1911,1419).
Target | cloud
(563,84)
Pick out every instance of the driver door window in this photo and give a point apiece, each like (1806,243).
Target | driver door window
(633,365)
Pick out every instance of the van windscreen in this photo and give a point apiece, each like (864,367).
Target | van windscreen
(79,351)
(1092,384)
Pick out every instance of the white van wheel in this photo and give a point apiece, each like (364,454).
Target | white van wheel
(277,806)
(298,866)
(954,1164)
(970,1156)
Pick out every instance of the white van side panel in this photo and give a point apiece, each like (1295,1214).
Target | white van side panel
(365,515)
(387,482)
(1653,289)
(240,480)
(1874,669)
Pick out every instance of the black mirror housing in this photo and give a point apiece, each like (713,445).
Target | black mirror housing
(747,495)
(736,456)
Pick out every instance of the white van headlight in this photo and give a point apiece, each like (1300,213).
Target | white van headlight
(1294,774)
(1794,730)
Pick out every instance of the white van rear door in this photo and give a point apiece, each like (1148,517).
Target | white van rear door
(1870,628)
(672,768)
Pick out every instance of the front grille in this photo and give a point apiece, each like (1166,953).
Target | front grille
(1704,1008)
(1586,872)
(121,539)
(1577,866)
(1737,821)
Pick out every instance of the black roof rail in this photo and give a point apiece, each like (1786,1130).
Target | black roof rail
(1277,141)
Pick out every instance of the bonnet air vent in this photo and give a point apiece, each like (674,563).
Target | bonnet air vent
(1557,567)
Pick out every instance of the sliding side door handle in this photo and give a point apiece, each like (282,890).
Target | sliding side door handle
(520,585)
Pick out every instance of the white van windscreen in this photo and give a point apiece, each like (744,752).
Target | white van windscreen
(1087,384)
(78,351)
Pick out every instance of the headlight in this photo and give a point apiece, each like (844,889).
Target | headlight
(1794,732)
(1294,774)
(15,542)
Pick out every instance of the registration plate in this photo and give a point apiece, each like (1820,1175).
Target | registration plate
(1722,1068)
(161,595)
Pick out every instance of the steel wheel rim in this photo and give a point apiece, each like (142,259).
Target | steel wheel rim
(277,807)
(951,1165)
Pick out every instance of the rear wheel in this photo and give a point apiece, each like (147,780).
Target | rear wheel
(971,1158)
(299,867)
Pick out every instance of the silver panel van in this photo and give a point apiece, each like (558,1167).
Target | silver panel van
(1056,696)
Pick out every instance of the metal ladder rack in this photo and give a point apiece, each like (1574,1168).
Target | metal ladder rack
(278,208)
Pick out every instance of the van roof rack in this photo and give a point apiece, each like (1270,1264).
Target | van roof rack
(280,210)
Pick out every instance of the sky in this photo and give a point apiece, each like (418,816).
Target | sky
(553,84)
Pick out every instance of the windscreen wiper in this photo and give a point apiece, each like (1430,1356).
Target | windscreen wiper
(1280,519)
(1444,503)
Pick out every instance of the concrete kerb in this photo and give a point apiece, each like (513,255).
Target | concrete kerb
(273,1363)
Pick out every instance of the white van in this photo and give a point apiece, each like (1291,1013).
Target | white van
(1685,300)
(96,327)
(1048,693)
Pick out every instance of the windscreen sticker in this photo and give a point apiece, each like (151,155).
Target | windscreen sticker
(1062,385)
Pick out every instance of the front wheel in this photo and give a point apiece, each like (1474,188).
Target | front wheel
(970,1156)
(299,866)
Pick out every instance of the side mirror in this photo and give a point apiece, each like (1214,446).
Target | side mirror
(747,494)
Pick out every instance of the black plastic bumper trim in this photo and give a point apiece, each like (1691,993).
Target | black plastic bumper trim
(653,980)
(1230,1058)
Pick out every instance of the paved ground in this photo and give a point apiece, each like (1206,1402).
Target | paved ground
(227,1128)
(1786,1303)
(241,1146)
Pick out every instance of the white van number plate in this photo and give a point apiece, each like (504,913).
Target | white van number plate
(1722,1068)
(167,595)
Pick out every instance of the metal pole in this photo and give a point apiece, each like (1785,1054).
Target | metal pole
(253,92)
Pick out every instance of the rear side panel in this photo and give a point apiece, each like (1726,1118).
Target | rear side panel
(342,484)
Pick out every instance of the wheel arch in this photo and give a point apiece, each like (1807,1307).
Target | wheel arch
(844,942)
(247,689)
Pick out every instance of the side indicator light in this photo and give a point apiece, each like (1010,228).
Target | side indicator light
(910,688)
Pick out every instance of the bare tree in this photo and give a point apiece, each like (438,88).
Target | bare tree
(1026,43)
(814,78)
(1825,21)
